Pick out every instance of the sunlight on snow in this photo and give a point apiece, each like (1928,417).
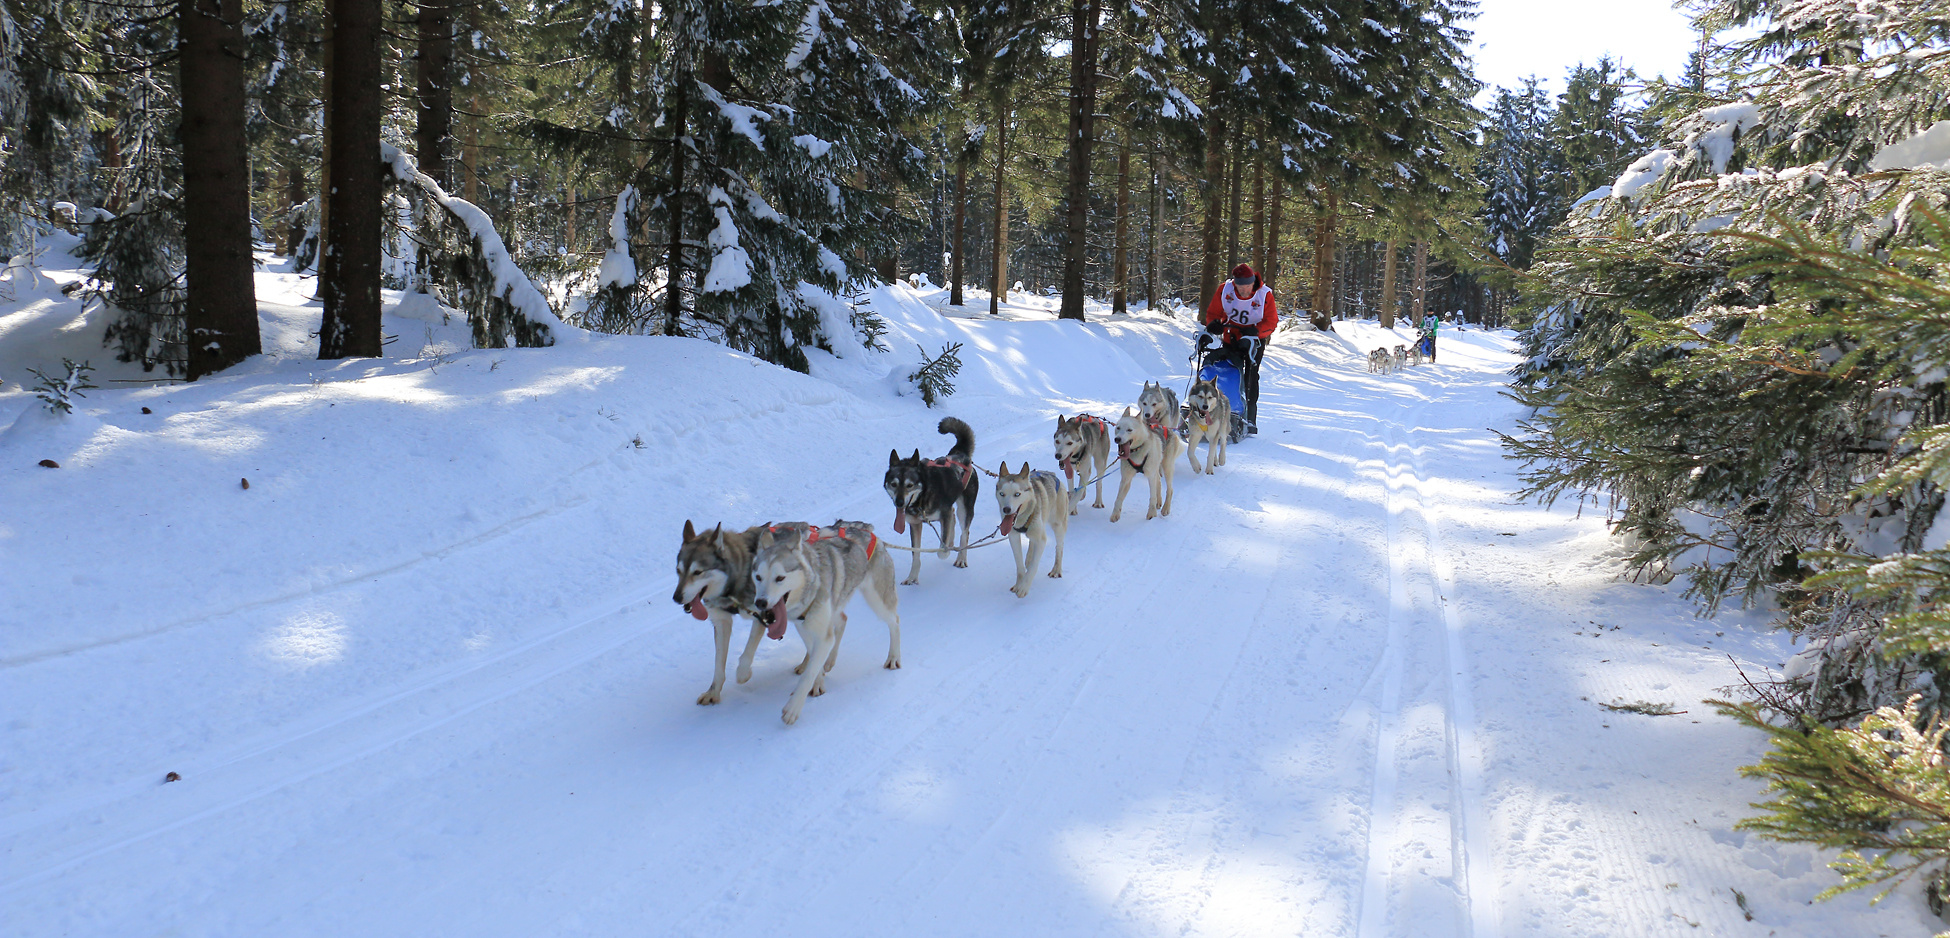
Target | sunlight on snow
(565,379)
(306,640)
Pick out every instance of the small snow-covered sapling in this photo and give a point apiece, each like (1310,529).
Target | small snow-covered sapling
(59,393)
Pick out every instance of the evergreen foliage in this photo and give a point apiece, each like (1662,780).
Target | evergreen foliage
(58,394)
(934,378)
(1744,352)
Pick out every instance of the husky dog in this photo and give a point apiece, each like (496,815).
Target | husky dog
(1415,354)
(1375,364)
(1032,503)
(714,581)
(1401,358)
(935,490)
(1209,418)
(807,579)
(1158,404)
(1083,447)
(1149,448)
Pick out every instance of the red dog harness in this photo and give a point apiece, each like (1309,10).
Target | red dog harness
(1081,419)
(943,462)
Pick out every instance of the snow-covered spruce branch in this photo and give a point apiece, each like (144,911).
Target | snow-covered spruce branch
(58,394)
(503,306)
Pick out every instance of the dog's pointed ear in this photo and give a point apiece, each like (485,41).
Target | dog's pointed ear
(916,457)
(717,535)
(689,532)
(893,458)
(764,538)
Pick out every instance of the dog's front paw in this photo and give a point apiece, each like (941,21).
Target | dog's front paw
(801,669)
(791,715)
(1056,574)
(893,663)
(818,688)
(1113,517)
(1099,503)
(911,581)
(744,674)
(962,563)
(707,698)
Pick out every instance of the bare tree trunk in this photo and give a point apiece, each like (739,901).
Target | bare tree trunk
(677,116)
(294,196)
(1420,294)
(1272,271)
(349,276)
(328,73)
(1388,274)
(1083,131)
(1152,254)
(433,75)
(1236,195)
(1324,223)
(1259,212)
(999,270)
(221,300)
(961,218)
(1120,272)
(1215,197)
(470,151)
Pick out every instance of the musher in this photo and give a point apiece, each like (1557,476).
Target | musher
(1430,323)
(1241,318)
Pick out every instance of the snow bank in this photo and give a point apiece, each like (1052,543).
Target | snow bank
(1643,171)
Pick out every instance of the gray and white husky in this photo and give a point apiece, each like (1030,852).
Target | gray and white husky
(1400,361)
(1149,448)
(714,581)
(807,578)
(1083,450)
(1208,418)
(1159,405)
(1034,504)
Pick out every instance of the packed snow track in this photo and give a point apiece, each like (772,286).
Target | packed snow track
(1347,688)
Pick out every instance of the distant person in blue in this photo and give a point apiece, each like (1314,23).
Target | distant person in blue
(1429,324)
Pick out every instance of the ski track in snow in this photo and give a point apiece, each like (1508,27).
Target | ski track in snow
(1346,688)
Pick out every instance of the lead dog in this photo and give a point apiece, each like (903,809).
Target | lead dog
(807,579)
(1208,418)
(935,490)
(714,582)
(1083,445)
(1034,504)
(1148,448)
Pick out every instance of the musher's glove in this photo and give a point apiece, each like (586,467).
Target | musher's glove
(1216,326)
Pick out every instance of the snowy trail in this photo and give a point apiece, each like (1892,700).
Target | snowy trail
(1341,691)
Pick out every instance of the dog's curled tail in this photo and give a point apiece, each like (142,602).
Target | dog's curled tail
(964,448)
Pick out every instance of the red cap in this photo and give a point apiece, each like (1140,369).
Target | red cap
(1244,270)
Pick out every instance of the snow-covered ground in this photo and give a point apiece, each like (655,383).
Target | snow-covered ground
(423,675)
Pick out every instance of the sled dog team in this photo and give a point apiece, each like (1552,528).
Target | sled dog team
(804,574)
(1382,361)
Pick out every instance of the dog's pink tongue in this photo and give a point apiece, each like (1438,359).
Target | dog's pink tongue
(776,630)
(697,609)
(900,521)
(1068,472)
(1008,523)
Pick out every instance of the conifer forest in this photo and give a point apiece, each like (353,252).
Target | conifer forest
(1705,317)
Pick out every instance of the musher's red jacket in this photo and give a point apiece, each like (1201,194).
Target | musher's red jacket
(1215,312)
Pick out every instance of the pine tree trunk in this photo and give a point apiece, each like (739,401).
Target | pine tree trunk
(220,298)
(1388,274)
(679,114)
(350,273)
(433,73)
(294,196)
(1324,223)
(961,218)
(1272,271)
(999,269)
(1152,249)
(470,151)
(1236,195)
(1120,272)
(1421,292)
(327,74)
(1210,270)
(1082,139)
(1259,212)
